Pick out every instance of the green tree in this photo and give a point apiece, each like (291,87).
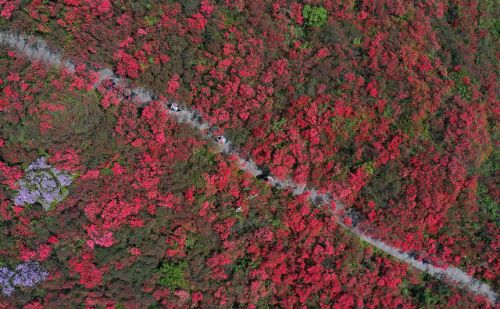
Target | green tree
(314,15)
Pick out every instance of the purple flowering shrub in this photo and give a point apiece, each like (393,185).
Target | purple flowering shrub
(42,184)
(26,275)
(5,282)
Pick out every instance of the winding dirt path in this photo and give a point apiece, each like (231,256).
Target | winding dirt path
(37,50)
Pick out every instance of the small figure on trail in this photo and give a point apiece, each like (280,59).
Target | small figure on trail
(354,215)
(265,177)
(128,93)
(319,200)
(195,116)
(413,254)
(220,139)
(173,107)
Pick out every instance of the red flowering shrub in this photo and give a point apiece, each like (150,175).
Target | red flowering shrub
(90,275)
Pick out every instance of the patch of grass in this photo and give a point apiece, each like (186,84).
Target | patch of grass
(172,275)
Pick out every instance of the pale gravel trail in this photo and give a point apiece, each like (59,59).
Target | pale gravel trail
(37,49)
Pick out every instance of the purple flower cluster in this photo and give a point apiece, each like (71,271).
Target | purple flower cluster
(42,184)
(5,283)
(26,275)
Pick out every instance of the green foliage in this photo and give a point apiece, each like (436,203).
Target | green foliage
(487,179)
(356,6)
(231,18)
(426,134)
(265,302)
(369,167)
(150,20)
(493,25)
(429,294)
(488,204)
(249,224)
(491,164)
(386,184)
(298,32)
(190,172)
(83,124)
(277,125)
(347,124)
(44,227)
(277,224)
(139,7)
(351,125)
(487,20)
(204,157)
(7,242)
(200,246)
(172,275)
(200,61)
(145,238)
(190,242)
(452,13)
(106,171)
(315,16)
(238,137)
(190,7)
(280,145)
(404,124)
(125,284)
(243,265)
